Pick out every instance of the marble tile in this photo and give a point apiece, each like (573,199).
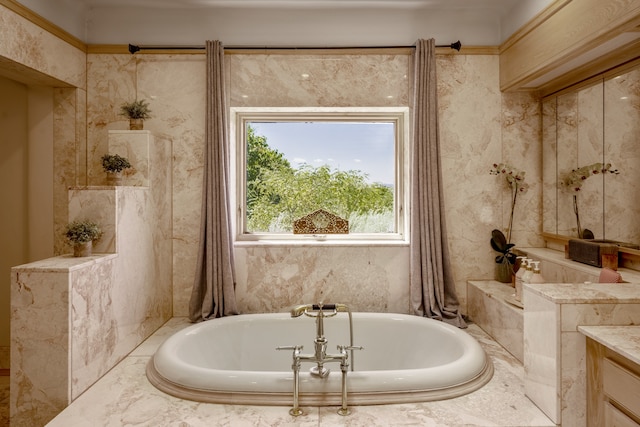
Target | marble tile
(542,343)
(134,146)
(573,315)
(41,54)
(487,307)
(69,156)
(333,80)
(283,276)
(573,396)
(39,321)
(97,205)
(125,397)
(624,340)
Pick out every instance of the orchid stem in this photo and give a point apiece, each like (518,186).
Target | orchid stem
(513,206)
(575,210)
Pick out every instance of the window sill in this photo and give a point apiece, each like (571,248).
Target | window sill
(311,242)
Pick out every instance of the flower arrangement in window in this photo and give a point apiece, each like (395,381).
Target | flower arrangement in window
(573,182)
(514,180)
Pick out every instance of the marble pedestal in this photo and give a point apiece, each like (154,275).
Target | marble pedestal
(554,349)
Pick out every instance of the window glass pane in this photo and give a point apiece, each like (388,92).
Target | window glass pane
(296,167)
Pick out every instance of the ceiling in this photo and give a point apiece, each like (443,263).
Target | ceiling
(273,23)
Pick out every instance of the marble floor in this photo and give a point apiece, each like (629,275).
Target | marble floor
(124,397)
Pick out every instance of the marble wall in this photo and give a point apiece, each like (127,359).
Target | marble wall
(29,54)
(96,309)
(479,126)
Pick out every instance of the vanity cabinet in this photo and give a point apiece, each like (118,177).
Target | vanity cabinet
(613,376)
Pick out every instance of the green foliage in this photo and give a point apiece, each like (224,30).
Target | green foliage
(114,163)
(82,231)
(277,194)
(261,159)
(138,109)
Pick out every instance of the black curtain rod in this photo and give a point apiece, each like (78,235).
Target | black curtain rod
(136,48)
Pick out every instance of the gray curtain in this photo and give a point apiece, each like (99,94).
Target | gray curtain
(213,293)
(433,291)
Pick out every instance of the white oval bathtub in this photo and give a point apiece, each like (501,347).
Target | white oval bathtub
(234,360)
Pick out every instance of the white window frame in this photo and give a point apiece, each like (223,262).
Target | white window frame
(239,116)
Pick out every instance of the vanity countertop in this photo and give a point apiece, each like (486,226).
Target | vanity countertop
(628,275)
(624,340)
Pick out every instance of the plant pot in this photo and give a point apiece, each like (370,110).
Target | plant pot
(136,124)
(503,272)
(82,249)
(114,178)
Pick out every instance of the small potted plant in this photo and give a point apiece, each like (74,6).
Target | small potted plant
(113,165)
(136,111)
(81,234)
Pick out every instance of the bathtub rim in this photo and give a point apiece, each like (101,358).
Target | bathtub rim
(325,398)
(319,399)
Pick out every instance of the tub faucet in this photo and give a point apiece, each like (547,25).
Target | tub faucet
(320,356)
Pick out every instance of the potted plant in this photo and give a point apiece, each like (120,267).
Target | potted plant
(81,234)
(136,111)
(113,165)
(505,262)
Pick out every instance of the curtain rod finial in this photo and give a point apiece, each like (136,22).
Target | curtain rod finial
(133,48)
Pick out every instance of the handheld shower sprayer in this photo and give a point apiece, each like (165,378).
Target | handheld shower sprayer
(299,310)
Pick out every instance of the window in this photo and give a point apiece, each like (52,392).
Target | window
(291,162)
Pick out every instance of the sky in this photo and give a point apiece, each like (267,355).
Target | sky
(368,147)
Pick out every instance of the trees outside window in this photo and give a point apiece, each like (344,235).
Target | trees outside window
(276,185)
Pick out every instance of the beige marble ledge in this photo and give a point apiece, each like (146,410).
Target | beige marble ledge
(109,187)
(587,293)
(494,288)
(129,132)
(63,263)
(557,257)
(624,340)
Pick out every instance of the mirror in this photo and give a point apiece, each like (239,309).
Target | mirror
(622,148)
(584,130)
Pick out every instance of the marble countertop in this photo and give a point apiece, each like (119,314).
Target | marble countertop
(628,275)
(624,340)
(587,293)
(63,263)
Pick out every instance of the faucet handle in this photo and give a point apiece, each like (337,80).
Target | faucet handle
(349,347)
(290,347)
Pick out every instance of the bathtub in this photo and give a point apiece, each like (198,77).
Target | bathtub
(234,360)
